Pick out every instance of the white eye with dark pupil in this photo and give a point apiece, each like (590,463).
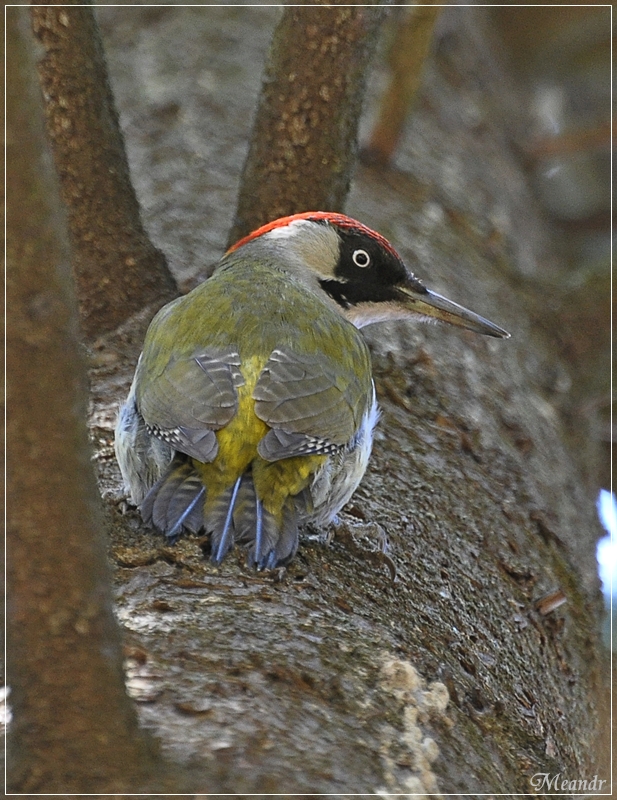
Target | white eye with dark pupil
(361,258)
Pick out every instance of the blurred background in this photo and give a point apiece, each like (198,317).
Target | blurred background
(563,56)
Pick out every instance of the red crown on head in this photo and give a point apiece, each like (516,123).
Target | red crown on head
(331,217)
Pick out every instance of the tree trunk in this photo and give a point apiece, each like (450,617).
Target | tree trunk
(118,270)
(74,728)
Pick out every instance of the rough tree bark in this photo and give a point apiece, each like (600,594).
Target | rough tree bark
(118,270)
(304,142)
(74,727)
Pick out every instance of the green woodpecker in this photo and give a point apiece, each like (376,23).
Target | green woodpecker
(253,406)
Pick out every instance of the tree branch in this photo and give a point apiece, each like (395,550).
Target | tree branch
(304,141)
(407,55)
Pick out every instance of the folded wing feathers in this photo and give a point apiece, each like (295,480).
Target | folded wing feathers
(191,399)
(199,443)
(278,444)
(297,394)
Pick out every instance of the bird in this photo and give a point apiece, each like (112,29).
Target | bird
(253,406)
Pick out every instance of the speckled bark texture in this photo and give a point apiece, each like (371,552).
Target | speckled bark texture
(117,269)
(432,667)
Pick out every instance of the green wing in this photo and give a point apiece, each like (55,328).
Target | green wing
(310,407)
(190,399)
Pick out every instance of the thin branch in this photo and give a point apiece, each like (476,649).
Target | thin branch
(407,56)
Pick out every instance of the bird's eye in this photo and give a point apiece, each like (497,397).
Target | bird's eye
(361,258)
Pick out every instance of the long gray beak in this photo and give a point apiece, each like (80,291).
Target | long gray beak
(431,304)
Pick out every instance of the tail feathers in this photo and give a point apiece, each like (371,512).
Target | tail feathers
(239,516)
(178,501)
(277,541)
(272,539)
(219,520)
(245,511)
(175,501)
(261,552)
